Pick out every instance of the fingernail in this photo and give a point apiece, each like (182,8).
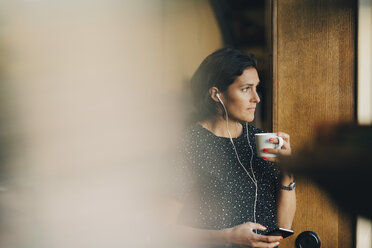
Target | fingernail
(278,133)
(271,139)
(264,158)
(265,150)
(264,227)
(277,243)
(281,238)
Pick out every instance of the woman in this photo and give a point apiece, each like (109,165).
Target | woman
(229,196)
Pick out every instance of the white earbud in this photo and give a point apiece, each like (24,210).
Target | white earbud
(219,98)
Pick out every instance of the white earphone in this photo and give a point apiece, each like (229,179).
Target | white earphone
(218,96)
(253,178)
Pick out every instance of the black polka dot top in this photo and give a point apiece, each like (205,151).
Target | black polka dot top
(215,190)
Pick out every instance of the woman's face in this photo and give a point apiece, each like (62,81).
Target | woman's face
(241,97)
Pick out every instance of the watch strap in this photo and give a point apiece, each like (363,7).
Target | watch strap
(290,187)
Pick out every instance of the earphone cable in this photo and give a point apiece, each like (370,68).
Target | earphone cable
(237,156)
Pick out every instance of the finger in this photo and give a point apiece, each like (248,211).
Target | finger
(285,145)
(256,226)
(272,151)
(269,239)
(274,140)
(270,159)
(285,136)
(283,151)
(266,241)
(266,245)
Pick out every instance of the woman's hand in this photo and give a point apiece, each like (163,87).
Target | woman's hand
(243,235)
(284,151)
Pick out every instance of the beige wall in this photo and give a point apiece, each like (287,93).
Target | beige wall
(89,99)
(364,226)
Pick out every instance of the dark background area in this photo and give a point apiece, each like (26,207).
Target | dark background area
(245,25)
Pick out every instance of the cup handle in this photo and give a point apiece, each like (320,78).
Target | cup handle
(281,142)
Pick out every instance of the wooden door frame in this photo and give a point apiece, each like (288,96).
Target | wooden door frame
(345,225)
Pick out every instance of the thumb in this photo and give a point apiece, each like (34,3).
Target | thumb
(258,226)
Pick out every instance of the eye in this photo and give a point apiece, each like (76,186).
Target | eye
(246,89)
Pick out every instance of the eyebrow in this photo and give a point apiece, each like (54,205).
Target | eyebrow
(249,84)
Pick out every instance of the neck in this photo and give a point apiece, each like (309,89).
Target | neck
(218,127)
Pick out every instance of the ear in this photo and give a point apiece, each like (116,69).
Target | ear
(213,93)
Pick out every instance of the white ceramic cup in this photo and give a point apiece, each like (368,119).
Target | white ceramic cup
(263,141)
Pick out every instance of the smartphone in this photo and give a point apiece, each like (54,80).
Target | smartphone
(280,232)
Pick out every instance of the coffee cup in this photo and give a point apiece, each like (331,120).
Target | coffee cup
(263,141)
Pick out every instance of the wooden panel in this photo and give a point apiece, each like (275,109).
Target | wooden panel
(314,81)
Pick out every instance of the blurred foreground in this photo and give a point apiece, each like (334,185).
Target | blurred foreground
(91,93)
(339,162)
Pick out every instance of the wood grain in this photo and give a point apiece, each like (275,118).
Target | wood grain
(314,82)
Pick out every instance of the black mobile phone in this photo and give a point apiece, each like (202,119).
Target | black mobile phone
(280,232)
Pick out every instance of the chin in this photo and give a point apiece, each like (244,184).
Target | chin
(248,119)
(243,118)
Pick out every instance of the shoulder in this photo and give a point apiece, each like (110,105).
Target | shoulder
(191,131)
(191,134)
(191,137)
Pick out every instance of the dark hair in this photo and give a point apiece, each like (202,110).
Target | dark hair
(219,69)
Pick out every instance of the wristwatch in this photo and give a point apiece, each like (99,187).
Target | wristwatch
(290,187)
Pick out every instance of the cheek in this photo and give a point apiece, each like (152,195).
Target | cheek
(237,102)
(242,99)
(238,105)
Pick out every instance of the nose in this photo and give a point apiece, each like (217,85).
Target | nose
(256,97)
